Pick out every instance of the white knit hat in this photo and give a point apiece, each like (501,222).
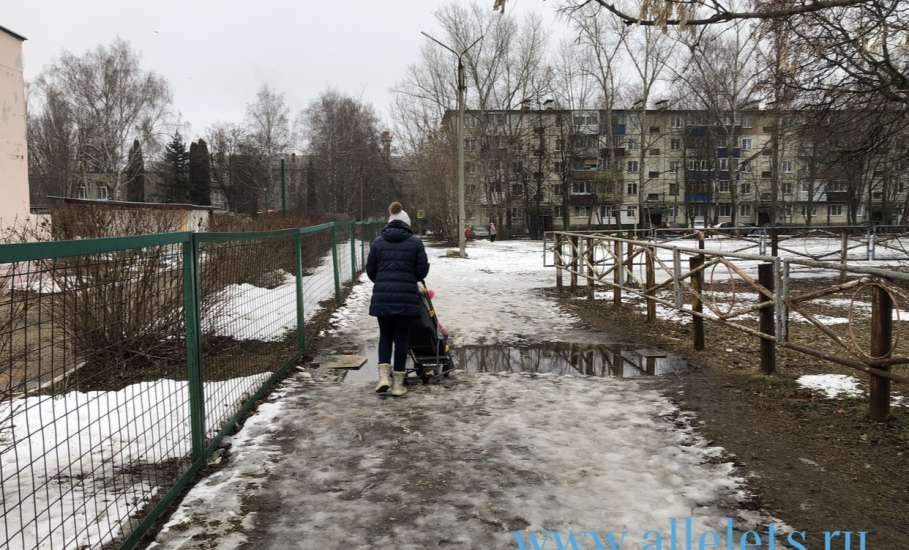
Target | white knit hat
(400,216)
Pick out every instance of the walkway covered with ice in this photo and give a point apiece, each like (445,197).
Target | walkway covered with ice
(464,463)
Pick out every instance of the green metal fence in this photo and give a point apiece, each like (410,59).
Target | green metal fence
(126,360)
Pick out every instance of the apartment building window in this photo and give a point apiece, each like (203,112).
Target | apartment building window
(674,189)
(676,121)
(632,144)
(559,144)
(746,121)
(582,211)
(724,164)
(557,167)
(470,167)
(587,119)
(805,210)
(692,165)
(787,187)
(746,188)
(103,192)
(745,209)
(674,165)
(631,211)
(723,186)
(725,209)
(836,187)
(705,165)
(470,144)
(675,144)
(787,166)
(836,210)
(746,143)
(787,210)
(633,166)
(632,188)
(746,166)
(82,193)
(581,188)
(604,213)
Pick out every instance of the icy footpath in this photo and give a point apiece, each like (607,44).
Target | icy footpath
(466,463)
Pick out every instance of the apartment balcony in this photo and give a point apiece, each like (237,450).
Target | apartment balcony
(705,197)
(584,175)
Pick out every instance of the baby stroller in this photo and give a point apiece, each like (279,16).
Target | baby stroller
(428,344)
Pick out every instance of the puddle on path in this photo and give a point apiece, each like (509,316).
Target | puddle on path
(562,358)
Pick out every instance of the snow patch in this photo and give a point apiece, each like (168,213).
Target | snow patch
(832,385)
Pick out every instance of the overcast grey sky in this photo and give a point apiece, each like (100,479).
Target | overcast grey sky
(216,54)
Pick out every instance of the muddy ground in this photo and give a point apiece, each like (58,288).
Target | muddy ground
(818,464)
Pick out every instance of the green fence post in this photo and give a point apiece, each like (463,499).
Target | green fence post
(192,324)
(365,233)
(353,250)
(334,262)
(301,319)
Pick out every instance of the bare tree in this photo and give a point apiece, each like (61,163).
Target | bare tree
(602,44)
(650,52)
(503,70)
(268,121)
(702,12)
(100,102)
(343,137)
(722,75)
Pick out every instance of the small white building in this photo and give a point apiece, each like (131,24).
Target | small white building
(14,202)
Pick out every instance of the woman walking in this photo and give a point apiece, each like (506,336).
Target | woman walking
(492,232)
(397,262)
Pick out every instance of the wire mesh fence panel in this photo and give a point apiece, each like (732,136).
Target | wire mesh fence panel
(124,359)
(343,237)
(248,319)
(93,394)
(318,280)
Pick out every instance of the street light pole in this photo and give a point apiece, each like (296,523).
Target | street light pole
(462,88)
(462,210)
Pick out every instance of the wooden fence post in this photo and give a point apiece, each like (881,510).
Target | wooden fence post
(590,258)
(574,263)
(697,283)
(651,282)
(768,320)
(557,244)
(618,277)
(881,346)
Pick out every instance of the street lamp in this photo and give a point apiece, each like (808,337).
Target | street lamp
(462,87)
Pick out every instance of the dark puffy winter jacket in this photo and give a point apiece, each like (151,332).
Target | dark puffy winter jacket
(397,261)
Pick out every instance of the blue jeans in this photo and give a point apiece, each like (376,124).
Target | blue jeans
(394,329)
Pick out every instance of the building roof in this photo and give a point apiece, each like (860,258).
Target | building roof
(13,34)
(127,204)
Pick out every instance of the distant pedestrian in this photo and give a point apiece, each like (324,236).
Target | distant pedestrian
(468,233)
(492,232)
(397,262)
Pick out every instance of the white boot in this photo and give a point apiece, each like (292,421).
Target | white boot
(397,386)
(384,381)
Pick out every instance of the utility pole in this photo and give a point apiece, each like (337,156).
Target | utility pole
(462,210)
(462,88)
(283,187)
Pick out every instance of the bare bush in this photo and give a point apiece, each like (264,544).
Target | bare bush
(262,264)
(116,310)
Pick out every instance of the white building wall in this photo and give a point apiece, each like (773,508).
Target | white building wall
(14,202)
